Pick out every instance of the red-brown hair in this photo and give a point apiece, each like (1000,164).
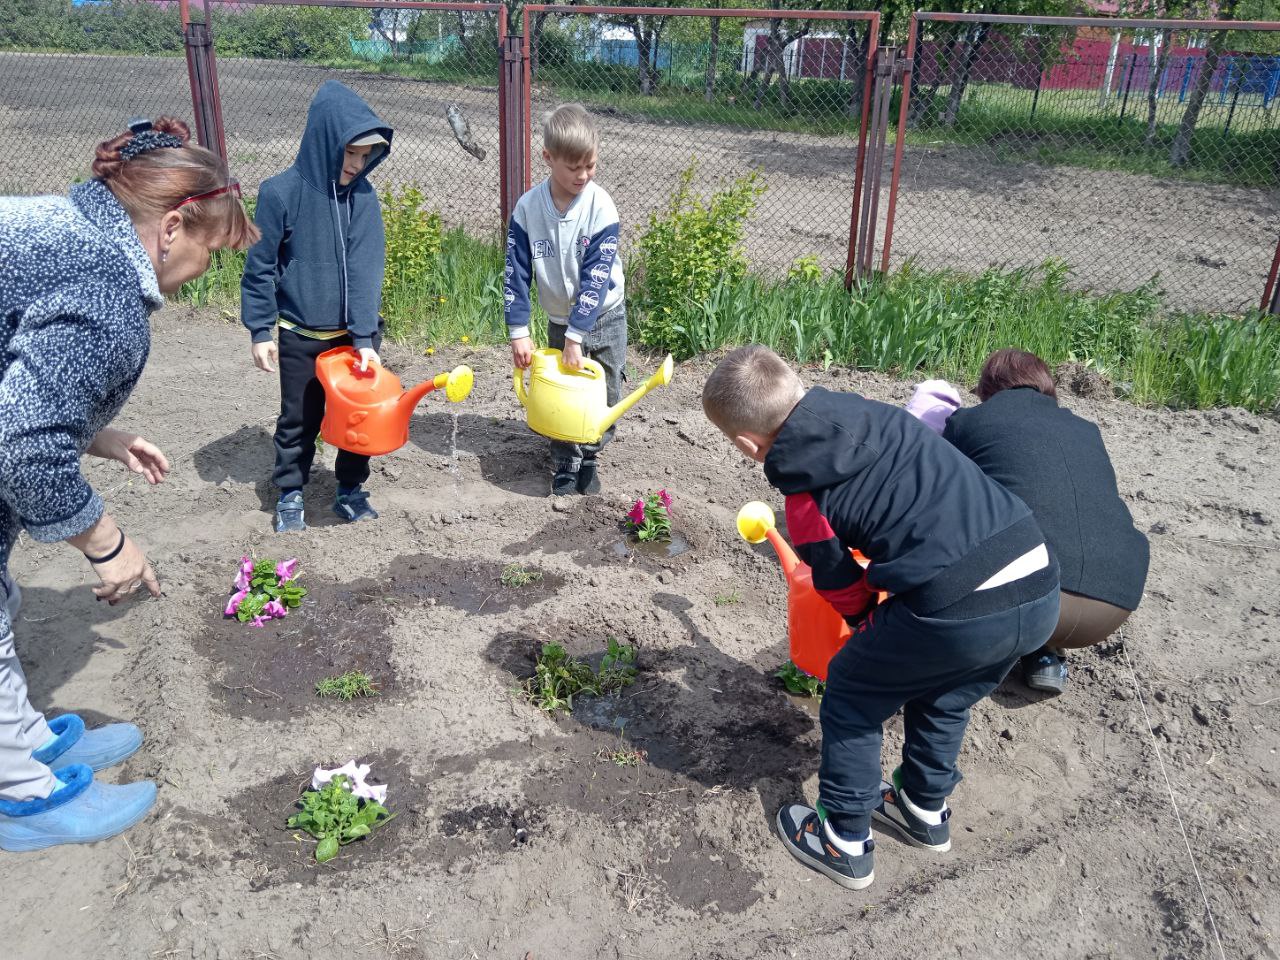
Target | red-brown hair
(1006,369)
(155,182)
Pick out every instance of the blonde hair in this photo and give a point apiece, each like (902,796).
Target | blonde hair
(569,133)
(151,184)
(751,390)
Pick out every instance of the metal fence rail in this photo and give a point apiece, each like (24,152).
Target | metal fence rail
(1133,151)
(783,96)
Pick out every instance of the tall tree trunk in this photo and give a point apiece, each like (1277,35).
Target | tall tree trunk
(921,106)
(960,82)
(535,40)
(1159,55)
(856,70)
(713,52)
(1180,152)
(467,41)
(764,85)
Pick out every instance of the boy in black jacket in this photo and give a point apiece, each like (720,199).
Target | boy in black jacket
(973,589)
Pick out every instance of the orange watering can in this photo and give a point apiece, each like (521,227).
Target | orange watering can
(816,630)
(369,412)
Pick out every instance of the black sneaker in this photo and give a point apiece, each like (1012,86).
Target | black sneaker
(290,515)
(919,827)
(808,837)
(564,483)
(1045,671)
(588,479)
(354,506)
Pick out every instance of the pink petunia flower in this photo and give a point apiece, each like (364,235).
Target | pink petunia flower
(246,572)
(636,515)
(287,569)
(665,498)
(234,603)
(258,621)
(274,609)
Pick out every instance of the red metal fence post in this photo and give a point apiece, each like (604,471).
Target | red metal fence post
(1271,292)
(891,206)
(514,118)
(203,74)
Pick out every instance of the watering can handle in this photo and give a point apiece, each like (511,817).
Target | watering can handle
(518,377)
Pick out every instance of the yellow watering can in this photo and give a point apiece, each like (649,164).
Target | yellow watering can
(573,405)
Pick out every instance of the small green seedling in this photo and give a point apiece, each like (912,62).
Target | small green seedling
(515,575)
(800,683)
(558,677)
(725,599)
(336,817)
(350,685)
(623,755)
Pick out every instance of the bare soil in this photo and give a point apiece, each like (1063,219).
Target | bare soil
(959,207)
(517,835)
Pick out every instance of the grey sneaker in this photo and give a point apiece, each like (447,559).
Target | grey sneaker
(564,483)
(290,515)
(807,836)
(354,506)
(919,827)
(1045,671)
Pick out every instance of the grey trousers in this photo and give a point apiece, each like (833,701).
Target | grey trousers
(606,344)
(23,729)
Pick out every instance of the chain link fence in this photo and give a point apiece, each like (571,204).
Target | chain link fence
(1132,154)
(70,76)
(722,97)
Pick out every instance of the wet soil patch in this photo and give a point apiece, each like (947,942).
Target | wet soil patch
(486,829)
(270,673)
(594,533)
(271,853)
(472,586)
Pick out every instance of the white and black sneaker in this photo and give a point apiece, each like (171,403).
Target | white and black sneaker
(811,840)
(919,827)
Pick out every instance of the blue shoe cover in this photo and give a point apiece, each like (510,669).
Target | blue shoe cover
(97,749)
(80,811)
(67,731)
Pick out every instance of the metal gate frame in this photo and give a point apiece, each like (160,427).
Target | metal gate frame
(1271,291)
(517,67)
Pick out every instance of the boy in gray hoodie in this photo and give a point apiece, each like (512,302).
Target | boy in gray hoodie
(564,236)
(317,275)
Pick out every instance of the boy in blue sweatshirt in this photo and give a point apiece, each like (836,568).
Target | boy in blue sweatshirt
(317,275)
(973,586)
(564,234)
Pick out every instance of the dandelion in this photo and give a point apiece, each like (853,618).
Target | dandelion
(431,351)
(465,338)
(444,299)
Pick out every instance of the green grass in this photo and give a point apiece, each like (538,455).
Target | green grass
(348,686)
(912,323)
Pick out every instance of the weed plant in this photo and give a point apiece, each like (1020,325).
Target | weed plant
(515,575)
(558,677)
(348,686)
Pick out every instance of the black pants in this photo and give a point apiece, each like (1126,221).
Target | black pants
(933,669)
(302,409)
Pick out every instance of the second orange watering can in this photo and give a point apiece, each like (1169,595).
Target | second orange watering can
(368,412)
(816,630)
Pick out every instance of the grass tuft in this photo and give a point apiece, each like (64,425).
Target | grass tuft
(350,685)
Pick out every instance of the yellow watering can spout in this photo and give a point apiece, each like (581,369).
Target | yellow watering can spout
(661,377)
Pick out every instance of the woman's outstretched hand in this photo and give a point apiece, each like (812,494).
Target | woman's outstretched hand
(139,455)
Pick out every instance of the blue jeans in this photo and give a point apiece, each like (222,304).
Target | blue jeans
(606,344)
(933,669)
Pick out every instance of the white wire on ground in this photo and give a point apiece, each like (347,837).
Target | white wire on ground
(1173,800)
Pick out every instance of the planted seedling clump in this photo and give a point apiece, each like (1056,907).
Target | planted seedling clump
(335,816)
(264,590)
(350,685)
(649,519)
(558,677)
(515,575)
(800,683)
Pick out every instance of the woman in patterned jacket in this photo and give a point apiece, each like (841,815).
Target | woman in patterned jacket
(80,277)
